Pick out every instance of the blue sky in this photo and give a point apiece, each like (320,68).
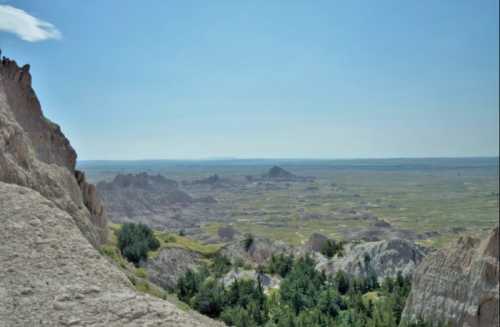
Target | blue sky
(264,79)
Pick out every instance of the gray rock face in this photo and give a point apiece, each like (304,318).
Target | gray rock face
(171,263)
(384,258)
(34,153)
(458,285)
(151,199)
(50,275)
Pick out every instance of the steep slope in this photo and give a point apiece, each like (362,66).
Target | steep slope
(34,153)
(458,285)
(50,223)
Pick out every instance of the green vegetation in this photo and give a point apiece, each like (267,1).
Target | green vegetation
(135,240)
(174,240)
(306,297)
(280,264)
(331,248)
(436,200)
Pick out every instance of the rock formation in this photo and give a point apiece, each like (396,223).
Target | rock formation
(458,285)
(34,153)
(150,199)
(278,174)
(50,222)
(170,264)
(384,258)
(316,242)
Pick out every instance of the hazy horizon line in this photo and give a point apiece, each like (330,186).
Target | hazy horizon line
(292,158)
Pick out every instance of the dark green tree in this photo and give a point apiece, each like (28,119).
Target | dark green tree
(135,240)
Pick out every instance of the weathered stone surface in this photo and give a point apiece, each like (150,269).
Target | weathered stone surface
(384,258)
(458,284)
(170,264)
(50,275)
(35,153)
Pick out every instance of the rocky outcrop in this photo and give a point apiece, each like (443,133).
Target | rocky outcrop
(50,275)
(278,174)
(316,242)
(170,264)
(151,199)
(35,153)
(384,258)
(458,285)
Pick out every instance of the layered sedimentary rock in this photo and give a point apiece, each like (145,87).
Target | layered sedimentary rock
(384,258)
(50,223)
(35,153)
(458,285)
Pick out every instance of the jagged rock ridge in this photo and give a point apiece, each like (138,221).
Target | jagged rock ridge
(150,199)
(458,285)
(36,154)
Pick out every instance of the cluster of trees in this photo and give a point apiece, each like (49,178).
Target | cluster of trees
(135,240)
(306,297)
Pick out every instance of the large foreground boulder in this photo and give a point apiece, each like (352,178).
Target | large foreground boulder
(50,275)
(458,285)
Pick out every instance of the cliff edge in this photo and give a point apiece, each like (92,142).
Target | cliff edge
(51,222)
(36,154)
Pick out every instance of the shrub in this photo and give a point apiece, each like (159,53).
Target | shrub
(342,281)
(135,240)
(248,241)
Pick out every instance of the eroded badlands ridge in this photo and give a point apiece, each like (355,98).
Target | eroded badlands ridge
(458,285)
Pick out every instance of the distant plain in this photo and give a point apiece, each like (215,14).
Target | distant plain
(440,198)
